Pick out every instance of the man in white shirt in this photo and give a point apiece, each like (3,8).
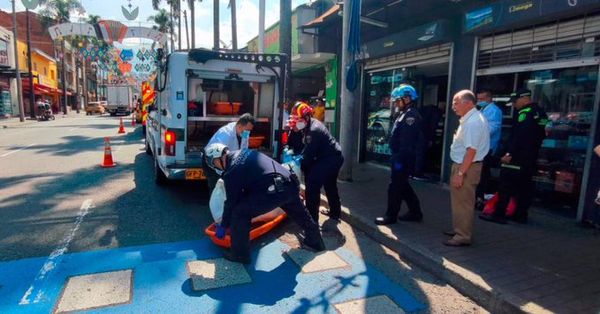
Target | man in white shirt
(230,136)
(470,146)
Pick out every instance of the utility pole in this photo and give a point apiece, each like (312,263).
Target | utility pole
(172,30)
(216,25)
(17,71)
(85,84)
(30,62)
(261,26)
(234,45)
(179,24)
(193,20)
(347,130)
(285,39)
(187,34)
(63,76)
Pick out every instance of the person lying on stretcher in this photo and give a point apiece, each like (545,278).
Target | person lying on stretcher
(254,185)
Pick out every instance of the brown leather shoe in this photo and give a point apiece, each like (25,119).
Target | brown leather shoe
(454,242)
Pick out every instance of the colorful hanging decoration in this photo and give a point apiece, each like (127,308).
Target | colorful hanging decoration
(130,14)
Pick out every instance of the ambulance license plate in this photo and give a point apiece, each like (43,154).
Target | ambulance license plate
(194,174)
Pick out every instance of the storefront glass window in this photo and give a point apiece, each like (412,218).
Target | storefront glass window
(567,96)
(379,113)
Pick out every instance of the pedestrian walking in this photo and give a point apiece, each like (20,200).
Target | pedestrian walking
(321,160)
(256,184)
(470,146)
(405,140)
(493,115)
(518,164)
(230,136)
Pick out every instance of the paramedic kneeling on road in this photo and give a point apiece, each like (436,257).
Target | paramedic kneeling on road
(256,184)
(321,160)
(230,136)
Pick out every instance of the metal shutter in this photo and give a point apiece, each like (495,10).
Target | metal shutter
(410,58)
(561,40)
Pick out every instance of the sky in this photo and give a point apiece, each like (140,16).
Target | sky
(247,15)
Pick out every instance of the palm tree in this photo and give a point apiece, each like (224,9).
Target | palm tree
(233,25)
(56,12)
(175,13)
(193,20)
(216,24)
(163,23)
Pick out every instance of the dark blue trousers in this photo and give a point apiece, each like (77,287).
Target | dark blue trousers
(323,174)
(256,204)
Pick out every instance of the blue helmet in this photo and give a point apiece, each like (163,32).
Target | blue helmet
(402,91)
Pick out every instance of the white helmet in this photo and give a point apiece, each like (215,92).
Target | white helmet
(213,151)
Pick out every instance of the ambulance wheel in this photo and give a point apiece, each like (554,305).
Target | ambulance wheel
(159,176)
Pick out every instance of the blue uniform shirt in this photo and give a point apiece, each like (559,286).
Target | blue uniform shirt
(314,143)
(248,172)
(493,115)
(406,138)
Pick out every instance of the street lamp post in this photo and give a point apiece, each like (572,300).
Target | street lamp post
(17,71)
(30,68)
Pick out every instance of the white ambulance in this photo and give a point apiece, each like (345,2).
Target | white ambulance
(198,91)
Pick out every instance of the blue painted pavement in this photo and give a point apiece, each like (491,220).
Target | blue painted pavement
(161,282)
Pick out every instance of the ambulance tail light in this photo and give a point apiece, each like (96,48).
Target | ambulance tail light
(170,143)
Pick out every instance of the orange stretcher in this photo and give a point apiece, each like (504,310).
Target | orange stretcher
(258,229)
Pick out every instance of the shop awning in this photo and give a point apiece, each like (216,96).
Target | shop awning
(38,89)
(329,14)
(303,61)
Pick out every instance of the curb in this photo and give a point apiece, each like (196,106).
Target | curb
(463,280)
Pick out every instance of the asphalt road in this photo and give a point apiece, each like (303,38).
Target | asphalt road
(50,169)
(63,215)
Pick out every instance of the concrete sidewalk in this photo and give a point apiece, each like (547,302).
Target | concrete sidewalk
(548,265)
(14,122)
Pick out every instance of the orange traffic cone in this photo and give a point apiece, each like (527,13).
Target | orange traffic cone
(121,127)
(133,119)
(108,160)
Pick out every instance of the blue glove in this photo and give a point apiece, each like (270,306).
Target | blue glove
(397,166)
(221,232)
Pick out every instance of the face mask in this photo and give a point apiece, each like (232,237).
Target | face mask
(482,104)
(300,125)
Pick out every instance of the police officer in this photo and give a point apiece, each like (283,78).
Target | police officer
(230,136)
(256,184)
(321,160)
(405,140)
(518,164)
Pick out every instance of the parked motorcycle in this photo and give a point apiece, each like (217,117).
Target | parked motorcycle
(45,112)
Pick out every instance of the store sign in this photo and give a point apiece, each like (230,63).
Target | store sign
(409,39)
(509,13)
(479,18)
(556,6)
(4,53)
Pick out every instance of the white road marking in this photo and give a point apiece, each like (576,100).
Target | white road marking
(55,258)
(20,149)
(73,129)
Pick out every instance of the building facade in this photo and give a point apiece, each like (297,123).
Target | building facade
(549,47)
(8,89)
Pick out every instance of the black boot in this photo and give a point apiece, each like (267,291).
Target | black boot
(411,216)
(230,256)
(385,220)
(315,245)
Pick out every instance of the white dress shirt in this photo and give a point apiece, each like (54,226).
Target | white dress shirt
(471,133)
(226,135)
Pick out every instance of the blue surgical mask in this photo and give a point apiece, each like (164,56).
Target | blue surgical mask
(482,104)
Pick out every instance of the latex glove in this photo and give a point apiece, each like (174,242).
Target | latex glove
(221,231)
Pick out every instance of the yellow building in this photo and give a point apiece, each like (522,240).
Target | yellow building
(45,75)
